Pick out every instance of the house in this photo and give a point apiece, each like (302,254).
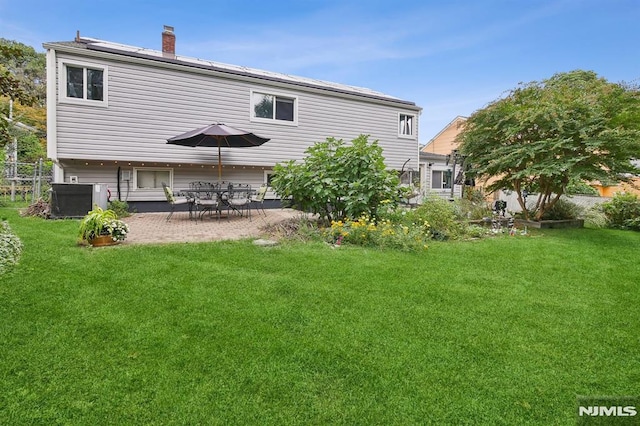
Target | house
(632,187)
(112,107)
(440,167)
(445,141)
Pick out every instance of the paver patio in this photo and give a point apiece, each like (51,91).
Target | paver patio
(147,228)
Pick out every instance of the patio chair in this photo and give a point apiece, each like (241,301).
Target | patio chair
(257,200)
(207,198)
(239,199)
(174,201)
(205,205)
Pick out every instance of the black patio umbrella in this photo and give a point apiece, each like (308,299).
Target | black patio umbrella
(218,135)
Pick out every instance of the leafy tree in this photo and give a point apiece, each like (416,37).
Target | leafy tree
(578,187)
(22,79)
(28,68)
(571,127)
(33,116)
(338,181)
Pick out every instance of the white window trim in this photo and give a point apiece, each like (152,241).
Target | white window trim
(270,195)
(442,170)
(62,83)
(273,120)
(413,125)
(267,173)
(151,169)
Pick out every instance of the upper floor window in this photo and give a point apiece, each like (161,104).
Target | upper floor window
(272,107)
(406,124)
(83,82)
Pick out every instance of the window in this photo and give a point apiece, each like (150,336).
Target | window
(273,108)
(441,179)
(83,83)
(152,178)
(268,174)
(405,125)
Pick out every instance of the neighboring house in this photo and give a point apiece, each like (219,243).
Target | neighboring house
(632,187)
(436,164)
(610,191)
(444,142)
(437,176)
(112,107)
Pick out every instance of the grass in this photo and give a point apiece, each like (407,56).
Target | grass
(498,331)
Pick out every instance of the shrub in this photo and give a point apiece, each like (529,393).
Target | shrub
(10,248)
(121,208)
(337,181)
(466,209)
(440,214)
(623,211)
(594,217)
(563,209)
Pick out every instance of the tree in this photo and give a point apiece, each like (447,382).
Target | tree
(28,68)
(544,135)
(338,181)
(22,79)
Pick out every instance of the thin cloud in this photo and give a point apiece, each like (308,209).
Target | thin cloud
(327,38)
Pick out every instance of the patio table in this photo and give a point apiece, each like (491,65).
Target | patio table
(213,192)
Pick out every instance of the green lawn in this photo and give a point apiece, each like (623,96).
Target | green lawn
(506,331)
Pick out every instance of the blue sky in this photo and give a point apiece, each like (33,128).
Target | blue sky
(449,57)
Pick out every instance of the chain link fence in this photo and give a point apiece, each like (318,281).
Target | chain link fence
(25,181)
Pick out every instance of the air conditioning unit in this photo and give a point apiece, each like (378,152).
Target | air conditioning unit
(74,200)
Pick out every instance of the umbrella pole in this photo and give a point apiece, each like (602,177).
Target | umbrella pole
(219,164)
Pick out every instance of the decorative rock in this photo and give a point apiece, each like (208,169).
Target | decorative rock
(265,243)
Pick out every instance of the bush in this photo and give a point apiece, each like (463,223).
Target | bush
(563,209)
(466,209)
(121,208)
(10,248)
(595,217)
(338,181)
(623,211)
(440,214)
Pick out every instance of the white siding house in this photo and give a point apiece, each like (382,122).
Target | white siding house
(437,176)
(112,107)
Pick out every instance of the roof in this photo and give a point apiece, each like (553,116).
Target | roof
(156,55)
(431,156)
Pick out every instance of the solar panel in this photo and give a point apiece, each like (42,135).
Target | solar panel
(237,69)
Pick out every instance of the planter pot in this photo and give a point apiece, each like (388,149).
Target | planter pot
(548,224)
(102,240)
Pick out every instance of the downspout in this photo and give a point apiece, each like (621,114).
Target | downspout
(52,134)
(118,181)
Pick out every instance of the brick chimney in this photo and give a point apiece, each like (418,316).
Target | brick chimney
(168,42)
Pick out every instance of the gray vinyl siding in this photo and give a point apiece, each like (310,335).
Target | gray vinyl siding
(147,105)
(107,174)
(150,102)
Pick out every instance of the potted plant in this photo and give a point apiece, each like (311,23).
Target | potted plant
(102,227)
